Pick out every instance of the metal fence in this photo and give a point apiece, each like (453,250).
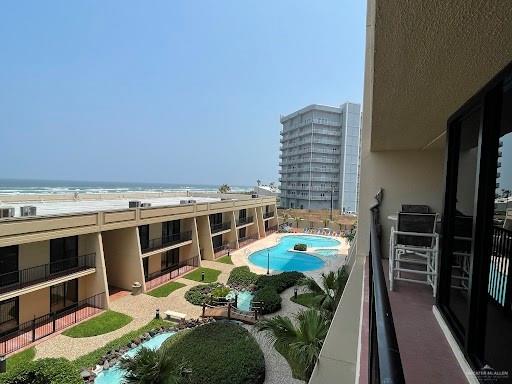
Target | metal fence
(168,241)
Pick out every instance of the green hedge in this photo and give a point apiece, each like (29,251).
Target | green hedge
(279,282)
(220,353)
(242,277)
(269,298)
(300,247)
(200,293)
(44,371)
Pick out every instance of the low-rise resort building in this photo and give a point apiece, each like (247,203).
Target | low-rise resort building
(63,256)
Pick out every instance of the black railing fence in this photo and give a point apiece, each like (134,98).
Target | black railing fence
(500,269)
(244,220)
(266,215)
(14,280)
(220,227)
(42,326)
(157,278)
(385,365)
(167,241)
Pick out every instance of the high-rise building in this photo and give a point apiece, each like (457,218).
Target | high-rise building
(320,157)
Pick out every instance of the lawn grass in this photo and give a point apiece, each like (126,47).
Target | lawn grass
(225,260)
(166,289)
(305,299)
(93,357)
(210,275)
(220,353)
(106,322)
(20,359)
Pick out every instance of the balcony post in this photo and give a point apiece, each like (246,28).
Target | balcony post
(34,329)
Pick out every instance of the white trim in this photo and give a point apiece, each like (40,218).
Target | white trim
(464,365)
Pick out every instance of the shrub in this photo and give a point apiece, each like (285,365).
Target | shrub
(200,293)
(220,353)
(220,292)
(269,298)
(300,247)
(242,277)
(44,371)
(279,282)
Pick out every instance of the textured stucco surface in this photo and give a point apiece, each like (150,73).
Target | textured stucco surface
(428,58)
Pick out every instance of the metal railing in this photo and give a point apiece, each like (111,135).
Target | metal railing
(220,227)
(270,230)
(500,269)
(22,278)
(157,278)
(167,241)
(268,215)
(385,365)
(244,220)
(33,330)
(243,241)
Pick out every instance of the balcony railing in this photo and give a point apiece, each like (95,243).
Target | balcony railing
(267,215)
(220,227)
(244,221)
(243,241)
(22,278)
(167,241)
(157,278)
(270,230)
(221,250)
(33,330)
(385,365)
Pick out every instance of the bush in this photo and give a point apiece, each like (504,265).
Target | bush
(269,298)
(242,277)
(200,293)
(279,282)
(44,371)
(300,247)
(220,292)
(220,353)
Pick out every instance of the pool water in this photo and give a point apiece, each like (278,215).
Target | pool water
(282,259)
(244,299)
(115,374)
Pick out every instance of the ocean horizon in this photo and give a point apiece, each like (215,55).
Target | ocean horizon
(27,186)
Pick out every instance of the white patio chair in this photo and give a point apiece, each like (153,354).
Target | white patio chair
(414,250)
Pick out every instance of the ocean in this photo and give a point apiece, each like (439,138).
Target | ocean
(14,187)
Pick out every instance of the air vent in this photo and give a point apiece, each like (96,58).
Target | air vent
(6,212)
(28,210)
(134,204)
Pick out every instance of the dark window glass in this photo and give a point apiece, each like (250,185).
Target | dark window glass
(217,241)
(242,214)
(144,236)
(498,338)
(63,296)
(8,265)
(63,254)
(9,315)
(241,233)
(170,258)
(216,218)
(170,231)
(145,265)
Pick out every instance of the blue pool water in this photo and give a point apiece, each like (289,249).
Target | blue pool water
(281,259)
(244,299)
(115,374)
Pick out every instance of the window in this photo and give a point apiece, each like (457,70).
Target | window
(242,233)
(144,236)
(9,265)
(170,259)
(170,228)
(145,266)
(9,315)
(216,218)
(63,296)
(242,214)
(63,254)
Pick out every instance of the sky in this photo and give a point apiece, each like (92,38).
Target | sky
(177,91)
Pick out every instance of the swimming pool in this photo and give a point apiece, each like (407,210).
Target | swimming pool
(327,252)
(244,299)
(282,259)
(115,374)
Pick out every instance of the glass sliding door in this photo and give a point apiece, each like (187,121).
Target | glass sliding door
(63,254)
(144,236)
(9,315)
(475,285)
(63,296)
(8,265)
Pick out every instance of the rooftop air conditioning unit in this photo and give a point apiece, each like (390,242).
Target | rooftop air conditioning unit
(254,195)
(28,210)
(189,201)
(145,205)
(134,204)
(6,212)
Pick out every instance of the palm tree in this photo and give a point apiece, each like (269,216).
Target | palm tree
(297,221)
(300,343)
(224,188)
(326,223)
(150,366)
(328,292)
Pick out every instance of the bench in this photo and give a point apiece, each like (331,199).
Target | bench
(171,315)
